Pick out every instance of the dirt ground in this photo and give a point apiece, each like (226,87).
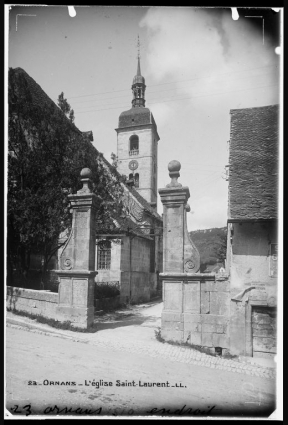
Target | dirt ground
(47,376)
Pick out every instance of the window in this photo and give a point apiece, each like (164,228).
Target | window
(134,145)
(136,180)
(104,255)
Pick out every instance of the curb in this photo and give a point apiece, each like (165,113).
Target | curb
(169,352)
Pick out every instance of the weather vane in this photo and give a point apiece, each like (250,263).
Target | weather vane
(138,46)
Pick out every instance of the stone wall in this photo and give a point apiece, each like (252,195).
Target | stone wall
(140,254)
(137,281)
(249,256)
(135,287)
(142,283)
(41,303)
(113,274)
(252,287)
(196,310)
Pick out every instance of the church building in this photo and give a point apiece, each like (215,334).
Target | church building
(129,255)
(137,143)
(132,254)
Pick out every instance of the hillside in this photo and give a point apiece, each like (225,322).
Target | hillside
(211,244)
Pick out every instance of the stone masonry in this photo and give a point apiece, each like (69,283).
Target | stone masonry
(76,288)
(196,305)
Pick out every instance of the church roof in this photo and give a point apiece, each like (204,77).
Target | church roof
(253,163)
(138,79)
(136,116)
(40,99)
(134,192)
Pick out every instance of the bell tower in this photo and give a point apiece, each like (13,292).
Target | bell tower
(137,142)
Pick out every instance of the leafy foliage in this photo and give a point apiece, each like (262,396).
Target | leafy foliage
(114,159)
(105,291)
(65,107)
(63,104)
(211,244)
(71,115)
(46,155)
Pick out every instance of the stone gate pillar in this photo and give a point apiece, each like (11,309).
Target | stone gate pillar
(77,261)
(181,260)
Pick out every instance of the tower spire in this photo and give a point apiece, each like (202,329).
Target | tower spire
(138,57)
(138,85)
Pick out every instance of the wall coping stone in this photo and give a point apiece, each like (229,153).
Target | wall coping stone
(221,277)
(33,294)
(187,276)
(76,273)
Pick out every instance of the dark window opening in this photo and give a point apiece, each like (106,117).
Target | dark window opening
(134,145)
(136,180)
(104,256)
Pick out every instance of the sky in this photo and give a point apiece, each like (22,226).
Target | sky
(198,64)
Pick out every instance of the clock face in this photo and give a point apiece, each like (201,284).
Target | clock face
(133,165)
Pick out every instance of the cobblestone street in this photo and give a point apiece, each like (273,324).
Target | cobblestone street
(133,330)
(129,336)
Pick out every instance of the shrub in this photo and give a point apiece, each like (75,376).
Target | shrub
(105,291)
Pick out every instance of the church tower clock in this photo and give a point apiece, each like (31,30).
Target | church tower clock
(137,143)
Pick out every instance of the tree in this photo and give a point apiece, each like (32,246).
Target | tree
(114,158)
(46,155)
(63,104)
(65,107)
(211,244)
(71,116)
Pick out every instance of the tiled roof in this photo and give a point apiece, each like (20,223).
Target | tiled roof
(253,163)
(121,225)
(134,192)
(144,203)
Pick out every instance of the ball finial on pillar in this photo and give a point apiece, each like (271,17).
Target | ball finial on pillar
(85,175)
(174,168)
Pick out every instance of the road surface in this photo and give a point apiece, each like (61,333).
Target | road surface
(47,376)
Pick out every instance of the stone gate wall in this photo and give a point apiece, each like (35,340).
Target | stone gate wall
(40,303)
(196,310)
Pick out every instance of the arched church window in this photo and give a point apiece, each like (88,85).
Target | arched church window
(136,180)
(130,176)
(134,145)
